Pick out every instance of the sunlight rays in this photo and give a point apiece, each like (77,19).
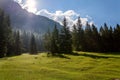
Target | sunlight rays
(31,6)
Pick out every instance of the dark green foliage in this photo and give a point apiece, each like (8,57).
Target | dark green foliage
(10,39)
(3,36)
(106,38)
(65,39)
(47,40)
(96,39)
(6,38)
(26,40)
(26,37)
(116,38)
(33,45)
(55,41)
(18,43)
(39,42)
(90,38)
(80,37)
(75,38)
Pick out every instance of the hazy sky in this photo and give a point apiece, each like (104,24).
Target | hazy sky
(97,11)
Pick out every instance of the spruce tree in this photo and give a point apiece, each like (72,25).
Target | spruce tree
(18,44)
(25,39)
(111,40)
(105,38)
(117,38)
(3,36)
(47,40)
(88,37)
(33,45)
(96,39)
(55,41)
(10,38)
(80,36)
(65,38)
(75,38)
(6,36)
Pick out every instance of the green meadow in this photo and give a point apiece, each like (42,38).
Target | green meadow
(81,66)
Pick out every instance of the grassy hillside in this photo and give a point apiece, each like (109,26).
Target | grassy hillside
(85,66)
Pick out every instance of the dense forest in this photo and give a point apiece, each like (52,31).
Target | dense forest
(80,38)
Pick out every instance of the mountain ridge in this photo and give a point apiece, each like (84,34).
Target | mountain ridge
(22,19)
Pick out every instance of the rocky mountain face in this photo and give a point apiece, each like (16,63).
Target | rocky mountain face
(22,19)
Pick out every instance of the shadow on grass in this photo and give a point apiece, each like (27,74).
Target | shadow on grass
(91,55)
(112,53)
(74,54)
(7,56)
(63,56)
(58,55)
(95,56)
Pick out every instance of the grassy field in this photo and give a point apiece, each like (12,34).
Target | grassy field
(83,66)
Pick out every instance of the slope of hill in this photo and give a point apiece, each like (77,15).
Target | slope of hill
(85,66)
(22,19)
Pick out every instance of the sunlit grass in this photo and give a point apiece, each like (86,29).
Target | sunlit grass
(85,66)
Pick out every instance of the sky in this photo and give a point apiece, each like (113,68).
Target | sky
(93,11)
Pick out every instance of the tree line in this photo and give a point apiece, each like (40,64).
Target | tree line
(83,38)
(12,41)
(57,41)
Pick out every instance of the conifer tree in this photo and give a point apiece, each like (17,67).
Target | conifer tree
(96,39)
(18,44)
(105,37)
(55,41)
(47,40)
(10,38)
(65,38)
(6,37)
(3,36)
(75,38)
(33,45)
(117,38)
(80,36)
(111,40)
(88,37)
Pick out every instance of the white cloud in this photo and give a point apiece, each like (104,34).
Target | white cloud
(29,5)
(89,17)
(59,15)
(71,16)
(91,23)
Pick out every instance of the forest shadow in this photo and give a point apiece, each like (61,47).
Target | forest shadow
(63,56)
(58,55)
(94,56)
(91,55)
(74,54)
(112,53)
(97,56)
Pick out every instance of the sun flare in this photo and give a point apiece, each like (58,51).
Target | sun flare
(31,6)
